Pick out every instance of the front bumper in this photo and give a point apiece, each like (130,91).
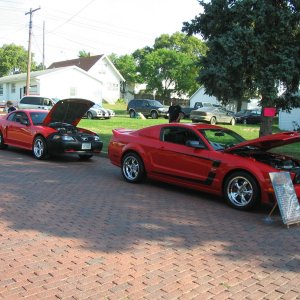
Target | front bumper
(60,146)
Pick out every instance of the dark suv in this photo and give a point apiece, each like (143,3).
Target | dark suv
(149,108)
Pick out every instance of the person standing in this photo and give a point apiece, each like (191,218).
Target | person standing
(175,112)
(10,106)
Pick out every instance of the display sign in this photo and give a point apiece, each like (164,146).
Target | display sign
(286,197)
(269,111)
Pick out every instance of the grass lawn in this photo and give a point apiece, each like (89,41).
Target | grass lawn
(122,120)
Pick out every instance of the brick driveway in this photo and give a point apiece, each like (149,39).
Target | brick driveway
(76,230)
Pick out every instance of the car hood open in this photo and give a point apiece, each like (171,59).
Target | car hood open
(68,111)
(269,141)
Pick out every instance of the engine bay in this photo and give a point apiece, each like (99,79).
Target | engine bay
(64,128)
(277,161)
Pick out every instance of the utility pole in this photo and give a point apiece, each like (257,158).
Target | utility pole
(29,49)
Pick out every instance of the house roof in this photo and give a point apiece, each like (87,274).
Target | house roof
(84,63)
(37,74)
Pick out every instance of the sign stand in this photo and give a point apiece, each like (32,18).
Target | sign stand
(286,197)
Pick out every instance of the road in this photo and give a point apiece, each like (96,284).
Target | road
(75,230)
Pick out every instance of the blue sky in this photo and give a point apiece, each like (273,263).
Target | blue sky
(96,26)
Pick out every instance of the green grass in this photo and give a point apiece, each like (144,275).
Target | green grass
(122,120)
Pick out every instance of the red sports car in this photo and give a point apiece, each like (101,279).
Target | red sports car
(207,158)
(51,132)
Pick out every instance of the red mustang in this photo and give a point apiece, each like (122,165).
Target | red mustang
(54,132)
(207,158)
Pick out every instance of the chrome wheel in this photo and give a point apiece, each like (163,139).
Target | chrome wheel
(2,145)
(132,168)
(241,191)
(39,148)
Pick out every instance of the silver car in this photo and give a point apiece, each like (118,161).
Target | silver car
(99,112)
(212,115)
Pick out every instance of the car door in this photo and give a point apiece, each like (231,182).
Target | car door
(18,133)
(174,160)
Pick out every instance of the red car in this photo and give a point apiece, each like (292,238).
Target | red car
(51,132)
(207,158)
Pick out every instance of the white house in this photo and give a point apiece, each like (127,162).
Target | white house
(103,69)
(289,120)
(54,83)
(200,96)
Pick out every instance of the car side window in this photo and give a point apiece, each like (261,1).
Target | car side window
(19,117)
(178,135)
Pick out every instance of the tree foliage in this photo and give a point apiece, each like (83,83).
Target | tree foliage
(83,53)
(254,49)
(13,59)
(170,66)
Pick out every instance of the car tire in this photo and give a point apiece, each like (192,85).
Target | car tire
(85,156)
(2,145)
(89,115)
(154,114)
(213,121)
(241,191)
(245,122)
(132,114)
(232,122)
(39,148)
(133,169)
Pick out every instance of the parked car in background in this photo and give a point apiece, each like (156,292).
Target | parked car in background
(207,158)
(187,110)
(149,108)
(248,116)
(36,102)
(46,133)
(97,111)
(212,115)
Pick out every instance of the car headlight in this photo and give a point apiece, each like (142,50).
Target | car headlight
(67,138)
(96,138)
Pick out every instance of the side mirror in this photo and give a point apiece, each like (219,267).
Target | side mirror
(195,144)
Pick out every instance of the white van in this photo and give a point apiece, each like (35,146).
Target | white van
(36,102)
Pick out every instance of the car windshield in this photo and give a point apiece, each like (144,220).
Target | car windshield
(155,104)
(221,139)
(97,106)
(38,117)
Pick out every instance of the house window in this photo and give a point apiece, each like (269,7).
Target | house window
(33,89)
(1,89)
(73,91)
(112,86)
(13,88)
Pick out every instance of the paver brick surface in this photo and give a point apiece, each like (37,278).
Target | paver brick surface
(72,229)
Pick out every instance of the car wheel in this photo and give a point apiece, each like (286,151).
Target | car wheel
(213,121)
(133,169)
(245,122)
(2,145)
(132,114)
(89,115)
(85,156)
(241,191)
(154,114)
(39,148)
(232,122)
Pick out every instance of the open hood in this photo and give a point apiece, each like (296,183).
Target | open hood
(68,111)
(269,141)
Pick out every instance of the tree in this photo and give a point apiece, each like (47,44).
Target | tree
(13,59)
(254,49)
(127,66)
(83,53)
(170,66)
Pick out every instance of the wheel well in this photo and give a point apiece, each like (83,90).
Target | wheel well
(40,135)
(240,170)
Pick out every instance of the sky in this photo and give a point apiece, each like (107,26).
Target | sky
(95,26)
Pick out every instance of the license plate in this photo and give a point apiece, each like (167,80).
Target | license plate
(86,146)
